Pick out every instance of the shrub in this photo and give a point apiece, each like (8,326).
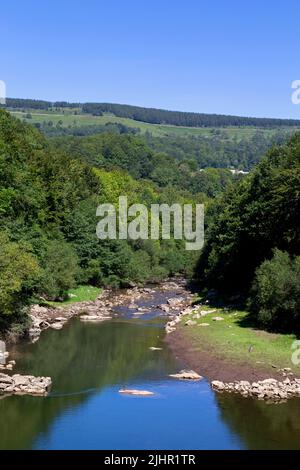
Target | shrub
(275,294)
(18,271)
(60,270)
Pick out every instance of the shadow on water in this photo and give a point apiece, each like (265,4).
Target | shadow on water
(260,425)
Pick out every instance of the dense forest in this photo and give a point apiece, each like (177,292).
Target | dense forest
(253,240)
(48,204)
(216,149)
(131,153)
(178,118)
(52,182)
(155,116)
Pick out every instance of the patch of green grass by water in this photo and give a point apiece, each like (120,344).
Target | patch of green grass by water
(79,294)
(234,339)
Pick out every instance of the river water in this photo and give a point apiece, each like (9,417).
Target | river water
(89,363)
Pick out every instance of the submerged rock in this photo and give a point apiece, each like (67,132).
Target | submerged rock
(93,318)
(143,393)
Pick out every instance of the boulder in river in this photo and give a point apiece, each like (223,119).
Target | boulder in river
(175,301)
(186,375)
(56,326)
(132,306)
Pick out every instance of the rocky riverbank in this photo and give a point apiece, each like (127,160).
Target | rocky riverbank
(178,308)
(24,385)
(44,317)
(271,390)
(225,375)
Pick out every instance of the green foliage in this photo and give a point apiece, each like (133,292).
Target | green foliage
(19,269)
(110,151)
(48,202)
(177,118)
(275,295)
(253,218)
(60,268)
(219,148)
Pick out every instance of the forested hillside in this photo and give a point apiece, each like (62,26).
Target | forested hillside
(131,153)
(218,149)
(253,239)
(156,116)
(227,146)
(48,204)
(177,118)
(50,189)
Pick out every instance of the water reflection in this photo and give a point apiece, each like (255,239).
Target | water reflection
(89,363)
(81,359)
(260,425)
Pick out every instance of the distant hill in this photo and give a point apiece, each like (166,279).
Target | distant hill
(155,116)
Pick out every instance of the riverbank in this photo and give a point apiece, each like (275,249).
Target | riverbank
(167,298)
(219,345)
(100,306)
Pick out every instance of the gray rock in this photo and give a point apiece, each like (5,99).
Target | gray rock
(186,375)
(56,326)
(190,323)
(218,385)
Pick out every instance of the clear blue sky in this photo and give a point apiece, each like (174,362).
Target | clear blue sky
(230,56)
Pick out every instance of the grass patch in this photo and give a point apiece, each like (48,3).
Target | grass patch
(232,340)
(79,294)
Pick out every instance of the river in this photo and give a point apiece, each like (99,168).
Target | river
(89,363)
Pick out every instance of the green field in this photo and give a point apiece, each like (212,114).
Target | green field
(68,118)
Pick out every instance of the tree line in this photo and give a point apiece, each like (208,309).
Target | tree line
(48,202)
(155,116)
